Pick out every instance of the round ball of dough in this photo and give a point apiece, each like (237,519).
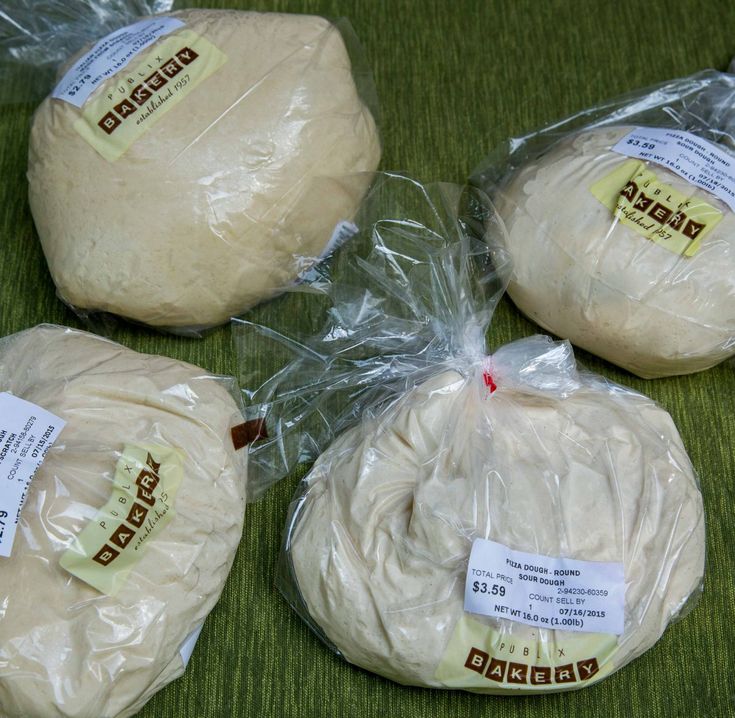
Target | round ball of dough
(65,648)
(214,208)
(380,539)
(583,275)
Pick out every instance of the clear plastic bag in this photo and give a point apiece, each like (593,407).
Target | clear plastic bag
(43,35)
(623,236)
(382,329)
(188,166)
(430,449)
(128,529)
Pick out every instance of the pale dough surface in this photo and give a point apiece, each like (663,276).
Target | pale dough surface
(65,649)
(380,541)
(592,280)
(211,210)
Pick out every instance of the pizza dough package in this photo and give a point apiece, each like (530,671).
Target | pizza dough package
(500,523)
(621,225)
(122,500)
(187,166)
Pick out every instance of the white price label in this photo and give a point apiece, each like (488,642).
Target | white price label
(26,433)
(698,161)
(555,593)
(110,55)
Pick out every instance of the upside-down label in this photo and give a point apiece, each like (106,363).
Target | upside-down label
(146,480)
(656,211)
(483,658)
(26,433)
(116,118)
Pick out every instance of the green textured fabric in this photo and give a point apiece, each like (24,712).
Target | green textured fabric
(454,78)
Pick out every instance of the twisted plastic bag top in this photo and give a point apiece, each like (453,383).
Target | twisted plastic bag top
(416,289)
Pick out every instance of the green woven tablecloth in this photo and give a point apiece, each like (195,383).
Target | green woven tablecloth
(454,77)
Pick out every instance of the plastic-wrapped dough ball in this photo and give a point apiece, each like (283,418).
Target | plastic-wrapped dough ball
(379,539)
(213,193)
(98,600)
(598,279)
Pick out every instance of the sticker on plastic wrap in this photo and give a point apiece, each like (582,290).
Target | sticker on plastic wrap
(114,120)
(110,55)
(555,593)
(656,211)
(698,161)
(146,480)
(482,658)
(187,647)
(343,232)
(27,432)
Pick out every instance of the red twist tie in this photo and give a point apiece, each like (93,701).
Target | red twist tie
(489,383)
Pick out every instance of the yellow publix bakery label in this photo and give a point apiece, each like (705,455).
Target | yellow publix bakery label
(146,480)
(485,659)
(114,119)
(655,210)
